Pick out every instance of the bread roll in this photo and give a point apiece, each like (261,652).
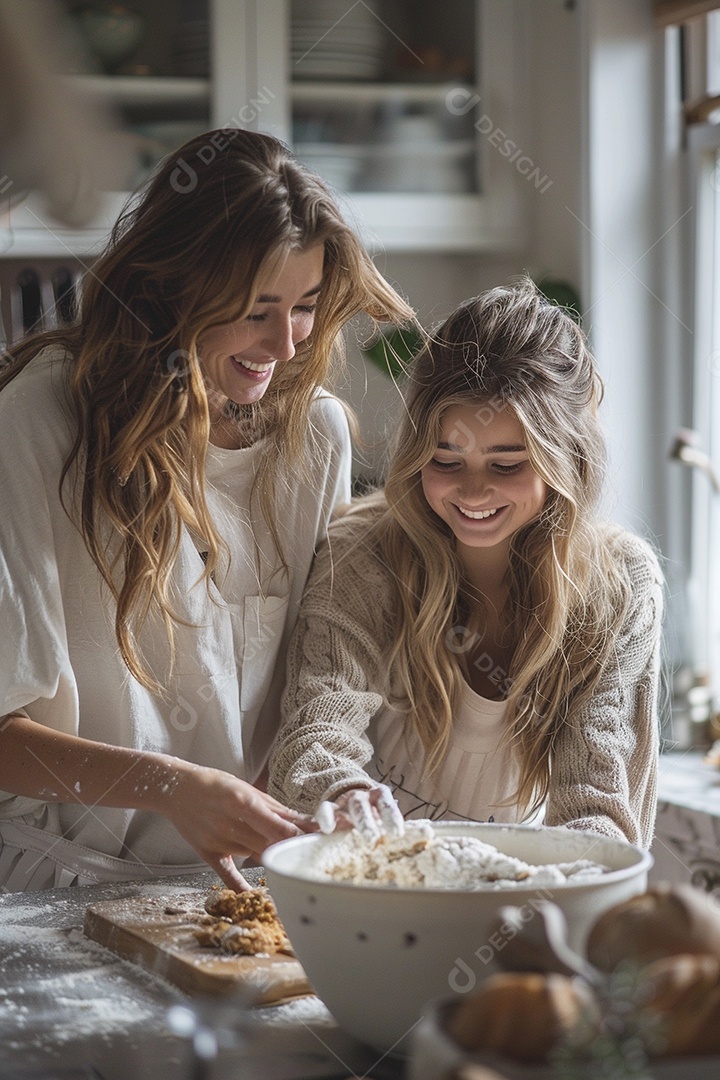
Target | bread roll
(520,1015)
(474,1072)
(679,982)
(682,994)
(665,921)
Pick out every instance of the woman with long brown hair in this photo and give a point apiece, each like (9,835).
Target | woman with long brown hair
(170,463)
(477,638)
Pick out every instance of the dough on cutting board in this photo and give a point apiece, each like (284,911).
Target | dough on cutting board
(245,922)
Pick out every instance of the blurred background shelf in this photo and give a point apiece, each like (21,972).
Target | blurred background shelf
(27,231)
(145,90)
(412,93)
(399,144)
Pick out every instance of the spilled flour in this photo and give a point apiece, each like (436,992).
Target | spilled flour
(422,859)
(61,988)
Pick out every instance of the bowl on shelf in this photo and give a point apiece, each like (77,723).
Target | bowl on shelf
(338,165)
(441,168)
(375,955)
(112,32)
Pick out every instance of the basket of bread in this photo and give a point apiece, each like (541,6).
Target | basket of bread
(642,1003)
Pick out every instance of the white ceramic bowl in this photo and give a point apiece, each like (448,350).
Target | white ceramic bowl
(375,955)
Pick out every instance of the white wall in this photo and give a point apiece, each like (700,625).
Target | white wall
(620,235)
(555,125)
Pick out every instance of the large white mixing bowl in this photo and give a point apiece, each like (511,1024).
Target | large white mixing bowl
(375,955)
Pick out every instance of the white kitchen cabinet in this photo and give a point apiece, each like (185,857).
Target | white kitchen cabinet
(426,175)
(464,193)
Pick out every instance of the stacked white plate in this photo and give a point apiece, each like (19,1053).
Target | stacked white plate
(338,164)
(434,168)
(336,39)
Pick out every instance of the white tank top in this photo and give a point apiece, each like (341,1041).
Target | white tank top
(476,776)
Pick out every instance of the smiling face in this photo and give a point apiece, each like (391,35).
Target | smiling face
(480,480)
(239,358)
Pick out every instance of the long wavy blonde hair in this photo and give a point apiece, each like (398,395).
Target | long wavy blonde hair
(190,252)
(508,347)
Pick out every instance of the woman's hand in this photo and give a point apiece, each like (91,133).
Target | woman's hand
(221,817)
(373,813)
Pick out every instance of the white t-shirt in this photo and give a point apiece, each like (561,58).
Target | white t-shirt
(59,659)
(476,775)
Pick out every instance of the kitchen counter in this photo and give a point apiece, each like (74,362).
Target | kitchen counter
(687,835)
(71,1009)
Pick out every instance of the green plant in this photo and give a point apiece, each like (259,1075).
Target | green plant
(563,294)
(394,349)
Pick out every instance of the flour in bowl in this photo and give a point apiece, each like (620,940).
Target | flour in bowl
(423,859)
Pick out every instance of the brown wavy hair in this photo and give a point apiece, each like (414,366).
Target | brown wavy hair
(189,253)
(511,348)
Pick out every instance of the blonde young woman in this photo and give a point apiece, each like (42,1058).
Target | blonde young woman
(475,639)
(170,463)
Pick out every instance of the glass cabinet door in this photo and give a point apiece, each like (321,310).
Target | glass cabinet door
(389,100)
(150,61)
(369,88)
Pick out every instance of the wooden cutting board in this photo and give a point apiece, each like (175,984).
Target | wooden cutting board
(156,932)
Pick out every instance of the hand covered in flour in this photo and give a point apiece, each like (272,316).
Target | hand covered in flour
(222,817)
(373,813)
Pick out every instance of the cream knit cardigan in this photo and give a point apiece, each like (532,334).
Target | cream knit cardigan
(604,770)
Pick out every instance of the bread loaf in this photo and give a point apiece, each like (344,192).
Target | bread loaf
(520,1015)
(665,921)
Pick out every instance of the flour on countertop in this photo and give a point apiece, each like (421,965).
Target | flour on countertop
(60,987)
(422,859)
(29,913)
